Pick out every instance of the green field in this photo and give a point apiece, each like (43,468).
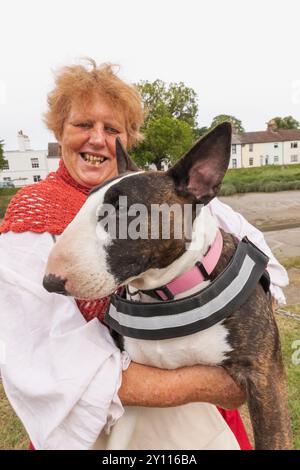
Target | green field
(261,179)
(290,337)
(5,197)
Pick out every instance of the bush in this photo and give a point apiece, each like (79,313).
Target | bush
(227,190)
(248,187)
(295,184)
(271,186)
(8,191)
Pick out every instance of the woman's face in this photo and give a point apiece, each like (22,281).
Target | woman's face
(88,141)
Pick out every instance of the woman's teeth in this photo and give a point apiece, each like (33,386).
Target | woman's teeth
(92,159)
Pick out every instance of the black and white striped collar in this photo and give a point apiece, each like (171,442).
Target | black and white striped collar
(199,311)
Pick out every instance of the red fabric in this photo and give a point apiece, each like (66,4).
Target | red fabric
(50,206)
(47,206)
(234,421)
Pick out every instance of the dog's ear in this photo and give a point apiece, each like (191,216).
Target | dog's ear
(201,170)
(124,161)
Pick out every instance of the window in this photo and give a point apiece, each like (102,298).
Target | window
(36,178)
(294,158)
(294,145)
(5,165)
(35,163)
(8,178)
(276,159)
(233,149)
(234,163)
(250,147)
(275,146)
(250,161)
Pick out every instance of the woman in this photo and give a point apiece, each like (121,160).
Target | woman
(63,374)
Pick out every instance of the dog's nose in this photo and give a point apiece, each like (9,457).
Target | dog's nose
(55,284)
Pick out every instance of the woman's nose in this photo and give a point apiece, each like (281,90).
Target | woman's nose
(97,137)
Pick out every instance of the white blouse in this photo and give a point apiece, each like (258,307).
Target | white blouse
(60,373)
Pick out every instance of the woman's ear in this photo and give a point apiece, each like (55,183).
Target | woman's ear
(124,162)
(201,170)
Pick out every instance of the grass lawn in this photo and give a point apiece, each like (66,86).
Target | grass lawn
(13,436)
(290,338)
(5,196)
(261,179)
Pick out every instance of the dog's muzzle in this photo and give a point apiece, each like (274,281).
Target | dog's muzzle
(55,284)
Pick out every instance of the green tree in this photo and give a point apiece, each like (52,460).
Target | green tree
(167,139)
(171,122)
(287,122)
(175,100)
(199,132)
(2,160)
(236,123)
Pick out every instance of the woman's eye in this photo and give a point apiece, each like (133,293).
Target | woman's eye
(83,125)
(112,130)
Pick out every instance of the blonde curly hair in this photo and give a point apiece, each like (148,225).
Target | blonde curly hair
(77,83)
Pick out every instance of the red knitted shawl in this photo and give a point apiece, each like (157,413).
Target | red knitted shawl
(49,206)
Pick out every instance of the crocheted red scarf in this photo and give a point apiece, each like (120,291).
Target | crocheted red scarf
(49,206)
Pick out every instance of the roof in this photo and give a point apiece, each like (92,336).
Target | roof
(279,135)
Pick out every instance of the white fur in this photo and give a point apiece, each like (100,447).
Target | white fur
(204,347)
(79,254)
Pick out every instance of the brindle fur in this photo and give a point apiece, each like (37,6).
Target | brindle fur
(255,363)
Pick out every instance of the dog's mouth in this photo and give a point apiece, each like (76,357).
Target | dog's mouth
(95,160)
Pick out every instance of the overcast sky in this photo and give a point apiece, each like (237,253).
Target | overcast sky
(241,57)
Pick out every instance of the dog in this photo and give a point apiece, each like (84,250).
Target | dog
(87,262)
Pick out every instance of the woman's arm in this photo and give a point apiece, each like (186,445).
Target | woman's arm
(62,375)
(149,386)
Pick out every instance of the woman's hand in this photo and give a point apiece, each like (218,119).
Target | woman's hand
(153,387)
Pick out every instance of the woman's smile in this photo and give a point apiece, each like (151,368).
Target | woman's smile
(89,139)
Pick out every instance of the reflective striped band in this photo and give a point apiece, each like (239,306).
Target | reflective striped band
(173,318)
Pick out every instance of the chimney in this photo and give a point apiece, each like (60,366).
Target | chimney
(234,127)
(54,149)
(23,142)
(272,126)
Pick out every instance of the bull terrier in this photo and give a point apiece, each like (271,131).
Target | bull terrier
(191,299)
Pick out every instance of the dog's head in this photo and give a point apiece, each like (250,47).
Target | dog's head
(123,231)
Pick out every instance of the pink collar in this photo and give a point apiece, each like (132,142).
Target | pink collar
(199,273)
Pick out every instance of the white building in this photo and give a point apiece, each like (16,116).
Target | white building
(26,166)
(236,152)
(270,147)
